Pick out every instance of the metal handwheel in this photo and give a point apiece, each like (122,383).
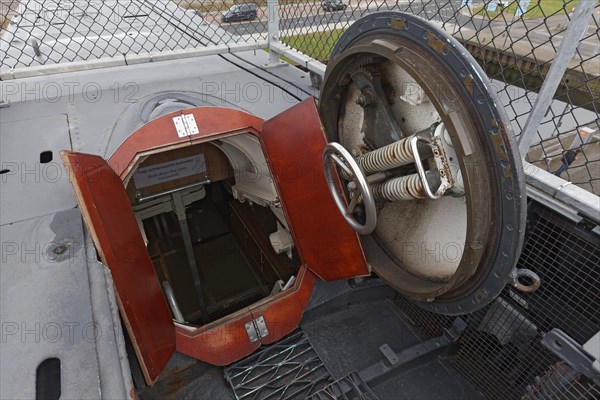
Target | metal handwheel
(336,156)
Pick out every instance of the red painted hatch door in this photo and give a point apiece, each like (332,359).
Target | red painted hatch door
(110,220)
(293,142)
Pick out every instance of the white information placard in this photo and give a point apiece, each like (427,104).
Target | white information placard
(168,171)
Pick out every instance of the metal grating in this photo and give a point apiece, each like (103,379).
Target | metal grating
(500,351)
(350,387)
(562,383)
(567,258)
(289,369)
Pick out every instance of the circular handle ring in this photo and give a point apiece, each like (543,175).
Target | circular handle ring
(348,169)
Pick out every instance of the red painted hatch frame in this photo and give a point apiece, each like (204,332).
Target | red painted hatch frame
(292,142)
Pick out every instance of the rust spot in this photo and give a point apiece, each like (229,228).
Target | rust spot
(469,84)
(499,148)
(397,23)
(504,130)
(435,43)
(481,295)
(501,151)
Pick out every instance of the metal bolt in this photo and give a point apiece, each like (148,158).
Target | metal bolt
(362,101)
(366,97)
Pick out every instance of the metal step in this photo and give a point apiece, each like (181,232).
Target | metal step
(289,369)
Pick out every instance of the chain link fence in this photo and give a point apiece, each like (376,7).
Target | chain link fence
(37,32)
(516,52)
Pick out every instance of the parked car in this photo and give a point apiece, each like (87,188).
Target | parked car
(333,5)
(240,12)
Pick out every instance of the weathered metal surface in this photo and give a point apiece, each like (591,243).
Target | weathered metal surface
(45,308)
(109,22)
(348,387)
(403,359)
(462,99)
(25,179)
(261,327)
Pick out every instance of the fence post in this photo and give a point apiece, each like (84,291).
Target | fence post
(273,30)
(577,28)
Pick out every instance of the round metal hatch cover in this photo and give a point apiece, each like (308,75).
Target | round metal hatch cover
(392,76)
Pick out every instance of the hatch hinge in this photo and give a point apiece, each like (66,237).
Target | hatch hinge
(256,329)
(185,124)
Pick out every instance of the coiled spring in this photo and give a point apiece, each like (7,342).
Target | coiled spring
(407,187)
(391,156)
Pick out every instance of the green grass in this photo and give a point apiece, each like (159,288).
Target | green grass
(536,9)
(204,7)
(317,45)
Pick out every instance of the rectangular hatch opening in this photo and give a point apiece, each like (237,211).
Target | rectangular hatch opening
(213,227)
